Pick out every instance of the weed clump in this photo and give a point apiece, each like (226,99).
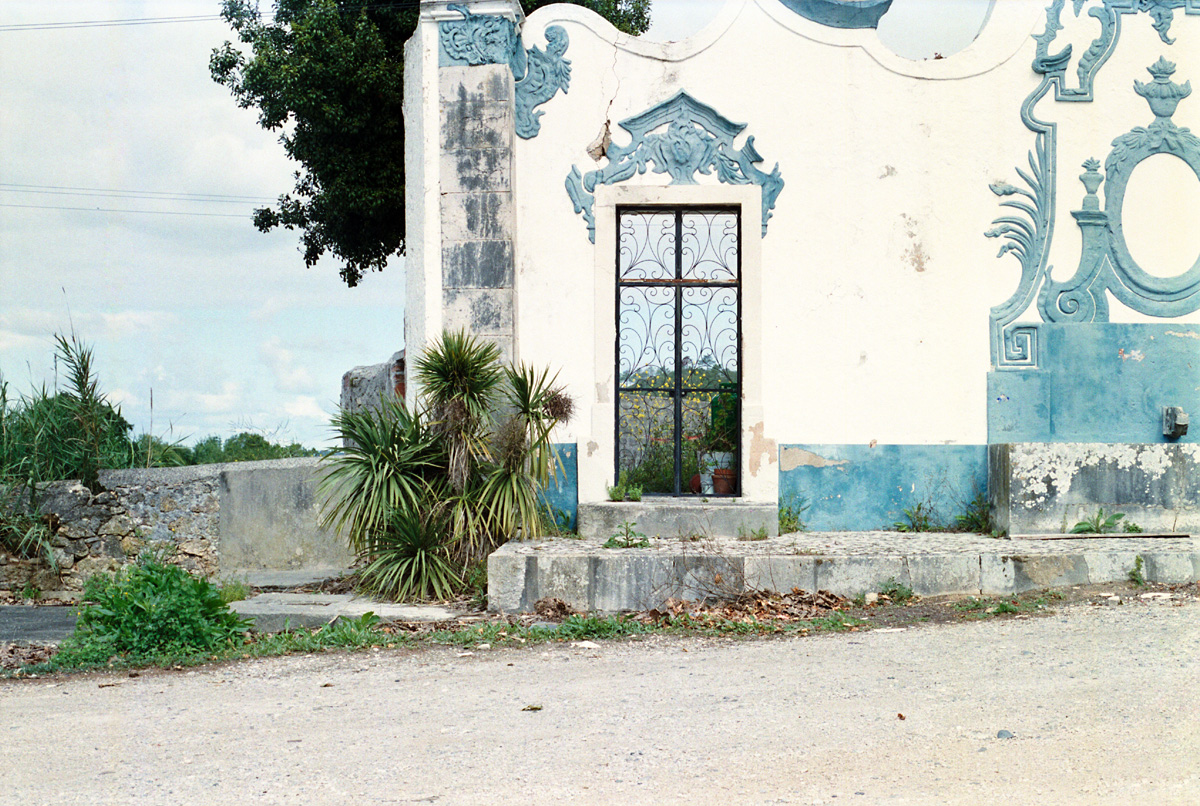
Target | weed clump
(147,610)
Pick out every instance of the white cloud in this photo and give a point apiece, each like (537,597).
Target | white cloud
(288,376)
(122,397)
(39,323)
(305,407)
(228,400)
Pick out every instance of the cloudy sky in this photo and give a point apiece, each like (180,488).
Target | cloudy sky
(127,181)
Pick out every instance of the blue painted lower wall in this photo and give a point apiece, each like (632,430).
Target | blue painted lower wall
(1099,382)
(563,492)
(864,488)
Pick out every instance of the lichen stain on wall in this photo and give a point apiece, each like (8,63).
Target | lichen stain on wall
(792,458)
(1052,467)
(916,254)
(760,446)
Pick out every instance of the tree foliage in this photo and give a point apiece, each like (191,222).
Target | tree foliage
(328,75)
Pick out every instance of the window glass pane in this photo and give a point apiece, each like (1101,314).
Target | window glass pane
(646,337)
(710,247)
(646,246)
(709,318)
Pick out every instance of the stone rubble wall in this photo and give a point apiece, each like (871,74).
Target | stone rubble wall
(363,386)
(178,510)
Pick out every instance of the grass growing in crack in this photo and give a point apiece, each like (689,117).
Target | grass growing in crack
(982,608)
(1136,574)
(895,590)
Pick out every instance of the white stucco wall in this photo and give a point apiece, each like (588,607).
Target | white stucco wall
(875,275)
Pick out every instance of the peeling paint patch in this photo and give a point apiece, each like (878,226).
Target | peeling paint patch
(760,446)
(592,448)
(888,170)
(1184,335)
(1132,355)
(915,254)
(602,393)
(792,458)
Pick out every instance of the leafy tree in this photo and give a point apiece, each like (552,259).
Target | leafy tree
(328,75)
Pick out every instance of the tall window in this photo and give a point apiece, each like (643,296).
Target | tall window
(678,418)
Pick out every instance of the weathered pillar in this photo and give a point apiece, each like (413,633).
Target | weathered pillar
(459,148)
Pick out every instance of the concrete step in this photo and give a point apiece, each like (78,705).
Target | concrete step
(589,577)
(679,517)
(273,612)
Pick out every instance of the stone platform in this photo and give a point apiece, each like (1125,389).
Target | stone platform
(589,577)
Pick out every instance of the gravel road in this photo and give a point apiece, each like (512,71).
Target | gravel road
(1103,704)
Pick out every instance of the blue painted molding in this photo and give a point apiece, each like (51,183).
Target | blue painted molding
(865,488)
(841,13)
(695,139)
(538,74)
(1106,264)
(1030,230)
(1099,382)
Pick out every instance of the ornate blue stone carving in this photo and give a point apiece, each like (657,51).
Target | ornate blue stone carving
(542,74)
(680,137)
(841,13)
(1030,233)
(481,39)
(478,39)
(1106,264)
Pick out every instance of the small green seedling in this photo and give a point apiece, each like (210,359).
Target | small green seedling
(627,538)
(752,534)
(895,590)
(918,518)
(1098,524)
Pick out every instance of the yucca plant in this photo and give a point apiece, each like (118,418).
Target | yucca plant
(409,558)
(392,462)
(459,376)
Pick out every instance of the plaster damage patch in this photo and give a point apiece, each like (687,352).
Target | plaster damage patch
(1048,469)
(760,446)
(792,458)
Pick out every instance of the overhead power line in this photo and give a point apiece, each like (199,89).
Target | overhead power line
(112,193)
(115,210)
(56,26)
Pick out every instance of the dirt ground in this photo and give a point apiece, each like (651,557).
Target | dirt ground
(1089,700)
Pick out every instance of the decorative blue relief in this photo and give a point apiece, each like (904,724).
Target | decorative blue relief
(694,138)
(542,75)
(1030,233)
(477,39)
(1106,264)
(539,75)
(841,13)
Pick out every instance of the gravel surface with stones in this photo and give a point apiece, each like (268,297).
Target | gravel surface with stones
(1091,705)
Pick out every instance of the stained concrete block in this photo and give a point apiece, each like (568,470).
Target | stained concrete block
(1048,571)
(678,517)
(932,574)
(1109,566)
(565,577)
(477,264)
(478,310)
(506,582)
(269,520)
(474,122)
(997,575)
(631,581)
(491,82)
(781,574)
(850,576)
(1171,568)
(471,170)
(477,216)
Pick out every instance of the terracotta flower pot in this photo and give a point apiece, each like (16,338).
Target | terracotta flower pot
(724,481)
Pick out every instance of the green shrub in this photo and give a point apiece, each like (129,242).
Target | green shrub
(147,610)
(410,559)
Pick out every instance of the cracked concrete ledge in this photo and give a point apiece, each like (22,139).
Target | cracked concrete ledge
(589,577)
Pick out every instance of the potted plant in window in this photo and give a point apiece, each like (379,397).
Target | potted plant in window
(719,448)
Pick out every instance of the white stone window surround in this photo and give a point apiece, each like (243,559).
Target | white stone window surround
(595,471)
